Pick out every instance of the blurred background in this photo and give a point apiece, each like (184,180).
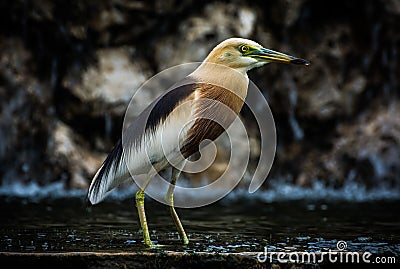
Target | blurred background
(69,69)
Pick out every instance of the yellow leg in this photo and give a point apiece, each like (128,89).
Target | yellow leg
(142,216)
(170,200)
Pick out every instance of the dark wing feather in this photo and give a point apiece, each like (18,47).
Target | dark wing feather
(111,165)
(167,103)
(114,170)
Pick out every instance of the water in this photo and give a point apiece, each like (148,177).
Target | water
(239,225)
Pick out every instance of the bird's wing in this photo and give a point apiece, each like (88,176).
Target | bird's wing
(148,139)
(215,110)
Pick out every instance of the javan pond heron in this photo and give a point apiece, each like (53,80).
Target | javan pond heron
(222,77)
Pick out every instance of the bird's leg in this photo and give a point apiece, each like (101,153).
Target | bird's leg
(140,195)
(170,200)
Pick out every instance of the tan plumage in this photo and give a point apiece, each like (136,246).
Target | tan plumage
(200,107)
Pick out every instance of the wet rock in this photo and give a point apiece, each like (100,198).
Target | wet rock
(198,34)
(287,12)
(326,99)
(110,83)
(69,149)
(334,92)
(365,151)
(25,116)
(392,6)
(369,147)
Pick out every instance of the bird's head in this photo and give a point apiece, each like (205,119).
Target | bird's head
(243,54)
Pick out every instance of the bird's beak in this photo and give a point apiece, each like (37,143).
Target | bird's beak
(266,55)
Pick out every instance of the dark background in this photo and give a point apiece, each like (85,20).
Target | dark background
(68,68)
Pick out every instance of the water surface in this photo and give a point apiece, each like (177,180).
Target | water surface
(229,226)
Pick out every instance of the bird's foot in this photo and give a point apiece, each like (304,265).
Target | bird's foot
(148,242)
(184,238)
(157,246)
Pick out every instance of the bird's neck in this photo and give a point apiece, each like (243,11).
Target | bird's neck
(223,76)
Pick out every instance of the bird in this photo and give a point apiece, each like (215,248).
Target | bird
(198,108)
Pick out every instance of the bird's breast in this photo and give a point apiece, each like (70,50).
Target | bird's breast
(215,109)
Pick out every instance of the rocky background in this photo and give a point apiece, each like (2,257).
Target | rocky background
(68,69)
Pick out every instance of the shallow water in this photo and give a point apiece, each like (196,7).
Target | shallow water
(242,225)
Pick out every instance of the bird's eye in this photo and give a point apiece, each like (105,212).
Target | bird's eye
(244,48)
